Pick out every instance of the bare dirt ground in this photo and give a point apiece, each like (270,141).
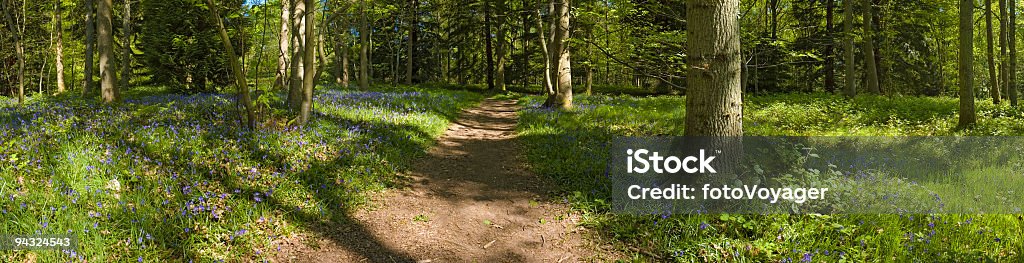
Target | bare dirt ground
(471,199)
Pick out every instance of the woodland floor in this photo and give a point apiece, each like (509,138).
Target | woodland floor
(471,199)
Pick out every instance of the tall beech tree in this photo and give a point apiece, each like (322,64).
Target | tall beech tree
(90,45)
(870,64)
(851,88)
(284,46)
(993,82)
(309,69)
(58,20)
(966,68)
(1012,46)
(559,49)
(714,106)
(105,42)
(126,44)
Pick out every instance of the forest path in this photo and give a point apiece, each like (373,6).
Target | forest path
(471,199)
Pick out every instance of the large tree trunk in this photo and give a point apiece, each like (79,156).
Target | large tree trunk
(1012,41)
(414,20)
(299,46)
(966,67)
(851,88)
(989,51)
(19,49)
(490,51)
(364,48)
(284,42)
(559,49)
(564,96)
(90,45)
(126,45)
(714,105)
(59,49)
(105,43)
(308,79)
(830,73)
(236,67)
(870,67)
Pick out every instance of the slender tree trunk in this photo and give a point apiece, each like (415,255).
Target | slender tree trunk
(563,97)
(549,87)
(488,39)
(851,88)
(90,45)
(364,48)
(871,68)
(59,48)
(501,45)
(1012,41)
(284,42)
(414,21)
(989,51)
(1003,62)
(341,53)
(967,115)
(714,105)
(878,41)
(105,30)
(299,46)
(830,73)
(321,52)
(236,67)
(126,45)
(309,79)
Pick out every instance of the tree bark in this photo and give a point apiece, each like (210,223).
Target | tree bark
(563,88)
(364,48)
(549,87)
(105,43)
(851,88)
(830,73)
(299,46)
(870,66)
(341,49)
(126,45)
(236,67)
(1012,41)
(488,39)
(501,46)
(308,79)
(90,45)
(966,68)
(714,105)
(989,51)
(59,49)
(284,44)
(1003,62)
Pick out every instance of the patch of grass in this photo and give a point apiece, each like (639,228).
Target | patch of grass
(571,147)
(174,178)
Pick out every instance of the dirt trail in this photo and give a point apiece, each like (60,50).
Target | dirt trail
(471,199)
